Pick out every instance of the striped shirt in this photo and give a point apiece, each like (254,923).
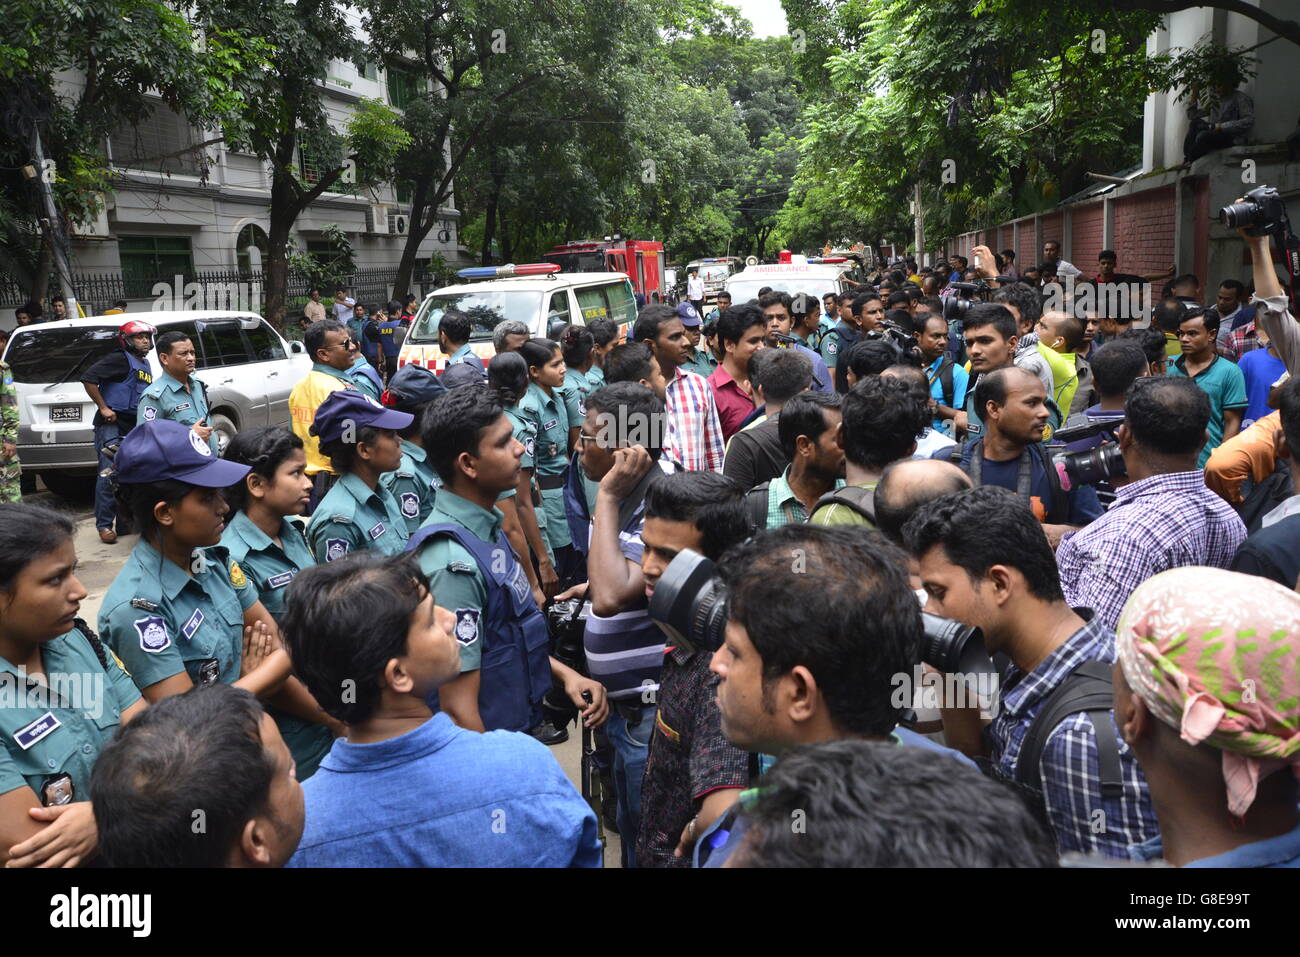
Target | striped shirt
(694,433)
(1070,777)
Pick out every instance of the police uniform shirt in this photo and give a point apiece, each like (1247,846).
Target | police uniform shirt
(576,389)
(551,420)
(467,356)
(413,484)
(352,516)
(702,363)
(54,731)
(596,377)
(161,621)
(168,399)
(454,575)
(268,567)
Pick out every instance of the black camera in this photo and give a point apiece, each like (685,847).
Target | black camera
(893,332)
(567,621)
(1260,213)
(952,647)
(690,603)
(1092,466)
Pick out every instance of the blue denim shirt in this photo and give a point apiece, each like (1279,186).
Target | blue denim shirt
(441,796)
(1280,851)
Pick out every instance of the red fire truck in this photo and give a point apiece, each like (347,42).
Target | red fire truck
(640,259)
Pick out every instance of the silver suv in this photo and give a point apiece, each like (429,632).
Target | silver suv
(248,367)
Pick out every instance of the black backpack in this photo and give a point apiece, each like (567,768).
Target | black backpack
(756,506)
(945,381)
(1266,496)
(859,499)
(1088,689)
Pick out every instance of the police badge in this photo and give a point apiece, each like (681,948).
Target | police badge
(150,413)
(199,444)
(57,789)
(467,625)
(209,670)
(335,548)
(153,634)
(410,504)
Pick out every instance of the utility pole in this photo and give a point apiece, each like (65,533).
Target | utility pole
(918,213)
(53,226)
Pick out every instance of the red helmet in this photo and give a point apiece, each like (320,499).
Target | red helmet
(135,327)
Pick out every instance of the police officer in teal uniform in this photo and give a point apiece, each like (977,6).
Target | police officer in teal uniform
(264,537)
(365,377)
(488,592)
(454,329)
(544,406)
(181,611)
(178,395)
(359,436)
(414,483)
(67,693)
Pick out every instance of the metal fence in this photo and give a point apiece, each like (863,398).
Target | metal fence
(232,288)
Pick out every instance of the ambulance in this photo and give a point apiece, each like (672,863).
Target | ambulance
(814,277)
(537,294)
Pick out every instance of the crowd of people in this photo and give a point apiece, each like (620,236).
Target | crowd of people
(350,642)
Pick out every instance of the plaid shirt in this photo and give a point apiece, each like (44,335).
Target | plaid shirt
(1081,818)
(694,434)
(1161,522)
(1240,341)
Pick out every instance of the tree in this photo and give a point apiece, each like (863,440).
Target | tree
(283,119)
(117,49)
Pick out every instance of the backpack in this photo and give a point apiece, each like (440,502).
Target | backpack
(1088,689)
(1266,496)
(945,381)
(1058,509)
(855,497)
(756,506)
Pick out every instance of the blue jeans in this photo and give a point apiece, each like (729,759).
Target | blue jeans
(105,507)
(631,748)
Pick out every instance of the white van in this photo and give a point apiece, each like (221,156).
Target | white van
(813,279)
(542,303)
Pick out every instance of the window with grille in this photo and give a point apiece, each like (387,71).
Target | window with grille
(403,87)
(150,259)
(152,142)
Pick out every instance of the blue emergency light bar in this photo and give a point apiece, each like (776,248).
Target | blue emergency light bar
(508,270)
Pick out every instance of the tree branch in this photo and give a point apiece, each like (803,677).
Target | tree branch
(1289,29)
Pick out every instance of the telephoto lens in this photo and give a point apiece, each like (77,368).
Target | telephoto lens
(690,603)
(1100,464)
(952,647)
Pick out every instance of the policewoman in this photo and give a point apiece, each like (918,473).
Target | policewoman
(544,406)
(178,395)
(116,384)
(414,483)
(271,548)
(181,612)
(359,436)
(65,694)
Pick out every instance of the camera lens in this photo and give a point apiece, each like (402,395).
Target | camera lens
(690,603)
(1101,464)
(1239,215)
(952,647)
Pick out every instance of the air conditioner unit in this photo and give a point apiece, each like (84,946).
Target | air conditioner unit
(97,226)
(377,218)
(398,223)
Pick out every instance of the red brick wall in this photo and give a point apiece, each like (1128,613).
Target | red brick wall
(1026,254)
(1086,225)
(1053,228)
(1144,231)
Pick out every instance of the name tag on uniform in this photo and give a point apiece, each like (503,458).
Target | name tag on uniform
(42,727)
(280,580)
(547,426)
(377,531)
(182,407)
(192,626)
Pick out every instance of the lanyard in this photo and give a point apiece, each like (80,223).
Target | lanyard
(1024,471)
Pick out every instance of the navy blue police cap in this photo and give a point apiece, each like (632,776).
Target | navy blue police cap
(461,374)
(349,408)
(411,388)
(162,449)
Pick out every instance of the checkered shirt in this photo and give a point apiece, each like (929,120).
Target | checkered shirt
(1242,340)
(1161,522)
(1070,777)
(694,434)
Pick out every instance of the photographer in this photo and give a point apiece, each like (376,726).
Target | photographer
(985,562)
(1164,516)
(692,775)
(788,677)
(1270,299)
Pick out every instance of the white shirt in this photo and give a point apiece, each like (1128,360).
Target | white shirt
(695,288)
(930,442)
(1288,508)
(1064,269)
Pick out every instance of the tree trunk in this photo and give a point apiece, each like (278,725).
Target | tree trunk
(507,247)
(275,273)
(489,231)
(416,231)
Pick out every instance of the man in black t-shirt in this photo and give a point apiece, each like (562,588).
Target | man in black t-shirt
(115,384)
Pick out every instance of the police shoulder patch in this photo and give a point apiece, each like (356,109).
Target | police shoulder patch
(153,633)
(467,625)
(336,548)
(150,413)
(410,504)
(237,576)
